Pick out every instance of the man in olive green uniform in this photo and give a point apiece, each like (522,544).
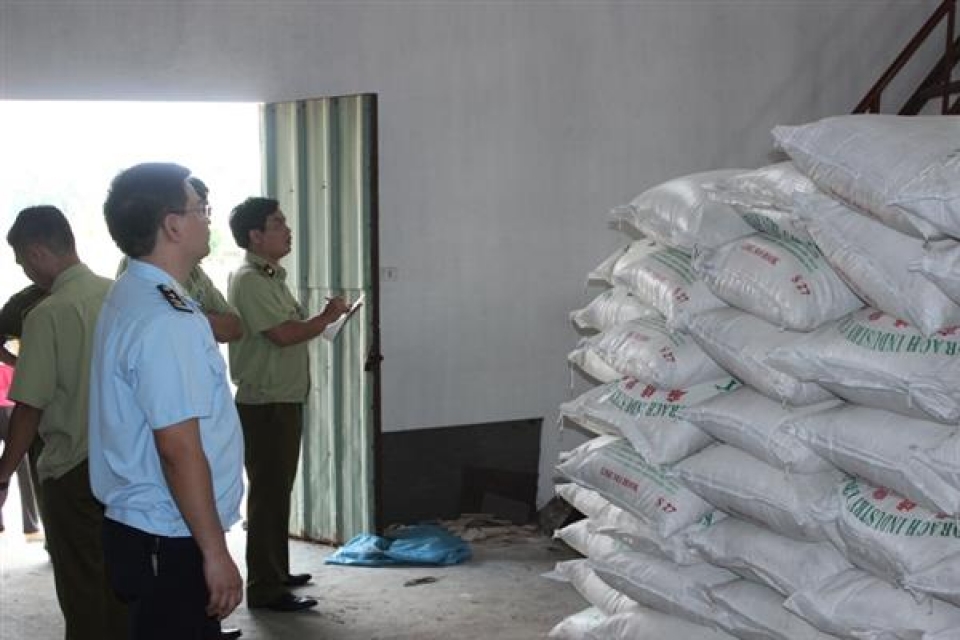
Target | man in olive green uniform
(50,389)
(222,317)
(270,368)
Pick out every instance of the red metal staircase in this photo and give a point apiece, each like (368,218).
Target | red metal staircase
(938,83)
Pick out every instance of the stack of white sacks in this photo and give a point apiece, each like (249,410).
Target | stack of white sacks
(778,451)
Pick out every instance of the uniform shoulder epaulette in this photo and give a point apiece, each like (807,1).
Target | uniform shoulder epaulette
(174,298)
(268,269)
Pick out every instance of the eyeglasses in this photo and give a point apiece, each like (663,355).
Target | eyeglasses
(204,210)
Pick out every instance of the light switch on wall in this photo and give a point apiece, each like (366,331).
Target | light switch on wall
(388,274)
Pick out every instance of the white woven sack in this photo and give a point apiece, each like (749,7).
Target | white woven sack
(786,283)
(674,548)
(662,278)
(646,416)
(603,272)
(756,612)
(764,198)
(874,261)
(609,519)
(873,359)
(582,537)
(943,461)
(878,445)
(940,263)
(648,351)
(581,410)
(739,484)
(741,343)
(652,625)
(939,581)
(756,424)
(895,538)
(595,591)
(610,308)
(905,171)
(576,626)
(679,213)
(663,585)
(758,554)
(587,501)
(612,468)
(857,605)
(591,362)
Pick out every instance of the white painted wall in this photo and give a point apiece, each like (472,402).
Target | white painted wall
(508,129)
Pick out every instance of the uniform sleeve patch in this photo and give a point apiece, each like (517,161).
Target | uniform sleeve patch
(174,298)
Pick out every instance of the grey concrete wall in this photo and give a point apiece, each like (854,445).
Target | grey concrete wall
(508,129)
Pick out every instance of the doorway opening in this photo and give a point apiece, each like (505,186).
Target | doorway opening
(318,158)
(66,153)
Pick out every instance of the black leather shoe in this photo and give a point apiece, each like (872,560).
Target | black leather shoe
(230,633)
(297,579)
(289,602)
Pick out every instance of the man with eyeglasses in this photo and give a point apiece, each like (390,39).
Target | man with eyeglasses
(270,368)
(50,389)
(166,451)
(224,322)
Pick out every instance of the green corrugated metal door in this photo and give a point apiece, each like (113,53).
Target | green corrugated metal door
(320,163)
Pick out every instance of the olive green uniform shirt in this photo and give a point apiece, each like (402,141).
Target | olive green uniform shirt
(53,371)
(263,372)
(199,287)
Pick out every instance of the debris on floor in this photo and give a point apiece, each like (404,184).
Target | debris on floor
(481,526)
(416,582)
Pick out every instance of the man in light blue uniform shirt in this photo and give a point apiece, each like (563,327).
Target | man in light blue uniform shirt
(167,368)
(166,451)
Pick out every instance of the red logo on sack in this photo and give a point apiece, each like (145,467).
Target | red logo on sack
(906,505)
(800,285)
(675,395)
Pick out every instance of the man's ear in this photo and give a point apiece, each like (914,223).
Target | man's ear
(37,261)
(35,252)
(255,236)
(38,254)
(172,225)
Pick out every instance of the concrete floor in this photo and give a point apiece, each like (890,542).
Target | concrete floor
(498,594)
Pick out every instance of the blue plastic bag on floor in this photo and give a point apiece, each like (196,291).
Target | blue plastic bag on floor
(416,545)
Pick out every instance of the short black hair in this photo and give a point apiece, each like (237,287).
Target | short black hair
(44,225)
(16,309)
(249,215)
(199,186)
(138,200)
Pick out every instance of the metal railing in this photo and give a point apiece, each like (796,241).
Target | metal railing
(938,83)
